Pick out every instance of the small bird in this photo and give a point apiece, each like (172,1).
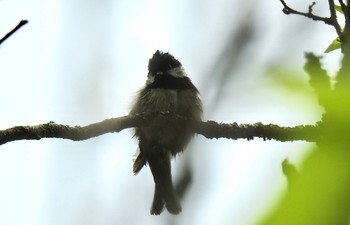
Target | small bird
(167,89)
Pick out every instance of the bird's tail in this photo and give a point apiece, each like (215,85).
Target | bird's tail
(164,191)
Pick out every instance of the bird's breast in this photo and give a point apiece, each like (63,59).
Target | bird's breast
(163,100)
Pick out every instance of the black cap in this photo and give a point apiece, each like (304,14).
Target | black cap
(162,62)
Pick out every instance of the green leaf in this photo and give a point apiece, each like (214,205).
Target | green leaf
(339,9)
(336,43)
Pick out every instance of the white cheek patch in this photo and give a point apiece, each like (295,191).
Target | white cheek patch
(150,79)
(178,72)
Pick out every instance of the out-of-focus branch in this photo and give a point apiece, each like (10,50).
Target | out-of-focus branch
(290,171)
(21,23)
(319,78)
(209,129)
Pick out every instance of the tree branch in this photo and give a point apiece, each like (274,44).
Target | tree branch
(209,129)
(332,20)
(21,23)
(288,10)
(344,9)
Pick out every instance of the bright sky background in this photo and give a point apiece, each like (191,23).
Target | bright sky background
(78,62)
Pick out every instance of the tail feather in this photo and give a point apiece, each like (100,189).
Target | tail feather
(139,162)
(158,202)
(172,203)
(164,190)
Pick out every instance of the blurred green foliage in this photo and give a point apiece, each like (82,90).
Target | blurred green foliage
(320,192)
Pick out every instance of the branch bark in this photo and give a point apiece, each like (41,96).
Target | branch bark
(209,129)
(20,24)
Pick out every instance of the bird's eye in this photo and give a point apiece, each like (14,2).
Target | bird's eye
(159,73)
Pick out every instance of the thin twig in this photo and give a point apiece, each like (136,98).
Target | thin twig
(288,10)
(20,24)
(334,18)
(344,8)
(311,6)
(342,4)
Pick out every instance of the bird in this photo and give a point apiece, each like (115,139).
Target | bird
(167,89)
